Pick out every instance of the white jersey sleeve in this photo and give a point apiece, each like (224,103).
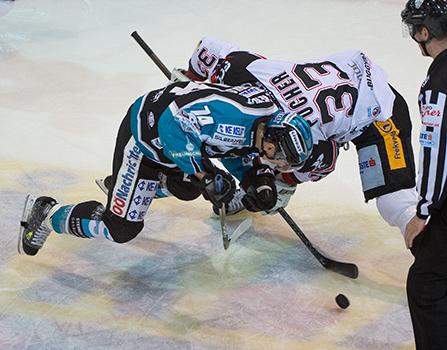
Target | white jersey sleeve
(207,54)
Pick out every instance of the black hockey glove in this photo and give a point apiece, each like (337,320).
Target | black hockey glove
(218,188)
(259,185)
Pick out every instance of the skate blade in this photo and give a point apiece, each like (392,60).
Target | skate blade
(29,202)
(102,186)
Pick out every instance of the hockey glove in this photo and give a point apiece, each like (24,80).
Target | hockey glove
(259,185)
(285,191)
(218,188)
(178,74)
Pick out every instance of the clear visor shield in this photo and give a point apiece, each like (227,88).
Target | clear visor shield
(408,30)
(280,155)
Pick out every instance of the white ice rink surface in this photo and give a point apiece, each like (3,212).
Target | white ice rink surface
(68,72)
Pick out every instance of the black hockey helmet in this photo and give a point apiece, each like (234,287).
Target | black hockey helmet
(429,13)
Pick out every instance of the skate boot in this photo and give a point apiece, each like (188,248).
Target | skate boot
(235,205)
(105,184)
(34,228)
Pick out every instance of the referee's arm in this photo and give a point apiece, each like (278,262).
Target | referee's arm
(432,157)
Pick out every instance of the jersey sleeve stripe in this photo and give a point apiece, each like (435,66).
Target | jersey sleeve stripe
(432,167)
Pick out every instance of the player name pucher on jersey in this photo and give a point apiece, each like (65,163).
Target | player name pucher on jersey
(291,92)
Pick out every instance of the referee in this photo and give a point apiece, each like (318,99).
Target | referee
(426,233)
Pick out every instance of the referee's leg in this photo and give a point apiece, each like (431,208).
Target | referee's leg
(427,287)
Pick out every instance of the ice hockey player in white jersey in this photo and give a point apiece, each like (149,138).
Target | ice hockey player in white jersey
(172,133)
(344,97)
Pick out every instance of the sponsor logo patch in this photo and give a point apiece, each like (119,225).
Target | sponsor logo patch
(426,139)
(126,178)
(430,111)
(151,119)
(141,200)
(231,130)
(373,112)
(370,168)
(393,144)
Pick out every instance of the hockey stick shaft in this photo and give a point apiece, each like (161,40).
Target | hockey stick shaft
(347,269)
(223,226)
(151,54)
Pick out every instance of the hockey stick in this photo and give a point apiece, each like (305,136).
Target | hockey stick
(151,54)
(223,227)
(345,269)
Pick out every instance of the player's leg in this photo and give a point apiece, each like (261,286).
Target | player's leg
(172,183)
(134,182)
(386,163)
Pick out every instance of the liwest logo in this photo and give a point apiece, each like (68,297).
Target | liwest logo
(371,163)
(231,130)
(126,179)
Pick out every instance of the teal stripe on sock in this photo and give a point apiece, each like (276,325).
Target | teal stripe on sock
(86,229)
(60,218)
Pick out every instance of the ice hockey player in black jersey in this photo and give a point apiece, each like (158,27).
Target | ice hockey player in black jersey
(345,97)
(172,133)
(426,233)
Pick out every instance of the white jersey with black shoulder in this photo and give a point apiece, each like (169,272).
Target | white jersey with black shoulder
(339,95)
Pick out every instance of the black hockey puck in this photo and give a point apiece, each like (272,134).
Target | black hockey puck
(342,301)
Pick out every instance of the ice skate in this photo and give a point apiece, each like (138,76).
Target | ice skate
(34,228)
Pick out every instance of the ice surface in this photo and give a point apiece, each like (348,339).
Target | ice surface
(68,72)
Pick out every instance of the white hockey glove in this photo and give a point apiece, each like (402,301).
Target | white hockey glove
(285,191)
(177,75)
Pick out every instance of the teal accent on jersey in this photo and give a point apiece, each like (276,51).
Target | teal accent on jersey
(236,166)
(181,142)
(229,126)
(222,124)
(60,217)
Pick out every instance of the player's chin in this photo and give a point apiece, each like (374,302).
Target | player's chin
(283,166)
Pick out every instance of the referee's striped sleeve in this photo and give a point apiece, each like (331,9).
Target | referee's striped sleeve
(432,157)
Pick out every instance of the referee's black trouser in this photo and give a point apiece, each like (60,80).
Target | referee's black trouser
(427,285)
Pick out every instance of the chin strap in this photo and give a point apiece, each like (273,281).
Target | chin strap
(424,43)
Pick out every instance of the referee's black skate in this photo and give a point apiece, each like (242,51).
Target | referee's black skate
(34,228)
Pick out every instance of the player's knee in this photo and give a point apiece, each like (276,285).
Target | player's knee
(121,230)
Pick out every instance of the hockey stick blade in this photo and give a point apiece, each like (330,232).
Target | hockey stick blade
(223,227)
(241,228)
(346,269)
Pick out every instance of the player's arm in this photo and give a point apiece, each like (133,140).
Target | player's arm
(181,142)
(207,55)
